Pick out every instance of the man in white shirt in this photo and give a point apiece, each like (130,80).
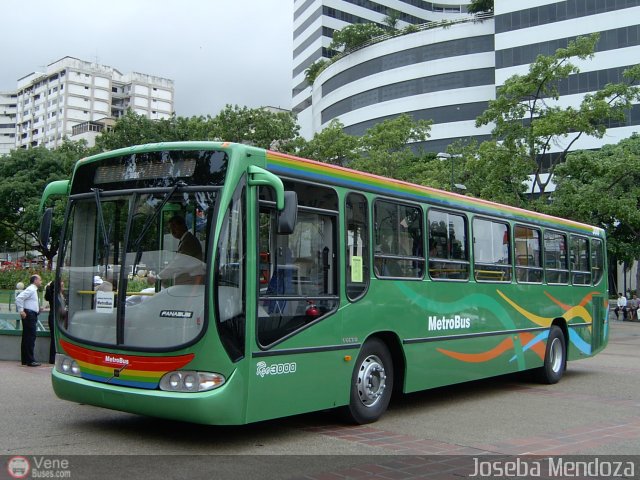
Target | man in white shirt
(622,305)
(28,307)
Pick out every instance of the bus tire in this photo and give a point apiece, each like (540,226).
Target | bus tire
(371,383)
(555,358)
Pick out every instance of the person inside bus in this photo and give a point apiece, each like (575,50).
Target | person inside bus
(187,267)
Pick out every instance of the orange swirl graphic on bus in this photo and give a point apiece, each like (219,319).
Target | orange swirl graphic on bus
(504,346)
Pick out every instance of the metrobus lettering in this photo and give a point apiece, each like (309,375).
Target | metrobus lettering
(444,323)
(118,360)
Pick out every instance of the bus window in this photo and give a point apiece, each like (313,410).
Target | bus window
(556,266)
(597,260)
(302,283)
(528,254)
(580,270)
(448,256)
(491,251)
(357,257)
(399,251)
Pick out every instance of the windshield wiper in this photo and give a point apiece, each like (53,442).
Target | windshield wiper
(105,235)
(147,225)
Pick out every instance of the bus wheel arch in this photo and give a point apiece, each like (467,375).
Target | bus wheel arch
(555,359)
(372,381)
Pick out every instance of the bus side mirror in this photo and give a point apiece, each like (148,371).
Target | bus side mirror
(45,227)
(289,215)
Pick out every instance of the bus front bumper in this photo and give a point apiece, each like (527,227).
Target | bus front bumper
(222,406)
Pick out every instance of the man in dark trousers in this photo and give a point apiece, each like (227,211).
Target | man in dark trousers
(28,307)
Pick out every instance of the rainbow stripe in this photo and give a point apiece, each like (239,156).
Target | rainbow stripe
(287,165)
(126,370)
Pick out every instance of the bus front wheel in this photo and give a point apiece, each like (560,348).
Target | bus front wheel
(555,358)
(371,383)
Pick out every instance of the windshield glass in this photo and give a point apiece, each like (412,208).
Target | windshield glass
(133,266)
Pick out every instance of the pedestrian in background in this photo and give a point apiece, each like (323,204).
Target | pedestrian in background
(622,306)
(28,307)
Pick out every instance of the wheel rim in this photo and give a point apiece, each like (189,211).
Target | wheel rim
(556,355)
(372,381)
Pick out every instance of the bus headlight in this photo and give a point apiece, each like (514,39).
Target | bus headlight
(67,365)
(189,381)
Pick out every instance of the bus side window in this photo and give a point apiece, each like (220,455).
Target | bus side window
(528,251)
(491,251)
(399,251)
(580,259)
(448,247)
(357,247)
(597,260)
(556,267)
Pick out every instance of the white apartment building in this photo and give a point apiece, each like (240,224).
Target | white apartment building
(8,111)
(71,92)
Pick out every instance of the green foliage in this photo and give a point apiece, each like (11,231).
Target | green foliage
(385,150)
(391,20)
(354,36)
(23,176)
(10,277)
(603,188)
(331,145)
(254,126)
(529,122)
(258,126)
(478,6)
(312,72)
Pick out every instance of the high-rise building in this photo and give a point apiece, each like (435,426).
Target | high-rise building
(449,73)
(314,22)
(71,92)
(8,109)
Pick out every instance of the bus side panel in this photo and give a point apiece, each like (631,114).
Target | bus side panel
(304,373)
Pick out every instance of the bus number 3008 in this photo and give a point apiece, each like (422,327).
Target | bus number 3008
(275,369)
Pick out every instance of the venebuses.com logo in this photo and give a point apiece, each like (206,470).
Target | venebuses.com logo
(38,467)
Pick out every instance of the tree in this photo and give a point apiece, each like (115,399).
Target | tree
(479,6)
(530,123)
(312,72)
(391,20)
(132,129)
(23,176)
(385,148)
(354,36)
(331,145)
(258,126)
(603,188)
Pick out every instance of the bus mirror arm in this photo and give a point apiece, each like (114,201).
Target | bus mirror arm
(286,202)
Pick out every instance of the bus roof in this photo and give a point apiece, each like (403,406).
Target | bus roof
(288,165)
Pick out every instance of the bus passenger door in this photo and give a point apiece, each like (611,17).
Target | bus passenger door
(296,317)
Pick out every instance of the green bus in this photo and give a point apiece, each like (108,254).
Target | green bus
(308,286)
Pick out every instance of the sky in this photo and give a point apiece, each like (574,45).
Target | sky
(217,52)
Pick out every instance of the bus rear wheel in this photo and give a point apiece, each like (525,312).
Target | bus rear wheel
(371,383)
(555,358)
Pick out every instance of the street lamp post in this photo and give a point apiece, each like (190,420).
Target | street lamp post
(446,156)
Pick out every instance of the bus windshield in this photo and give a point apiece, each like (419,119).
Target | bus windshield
(134,266)
(134,256)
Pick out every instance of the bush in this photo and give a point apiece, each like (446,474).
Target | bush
(10,276)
